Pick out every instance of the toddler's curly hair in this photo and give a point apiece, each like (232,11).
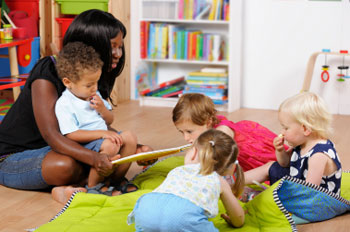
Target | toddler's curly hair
(75,59)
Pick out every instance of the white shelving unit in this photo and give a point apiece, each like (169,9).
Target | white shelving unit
(170,68)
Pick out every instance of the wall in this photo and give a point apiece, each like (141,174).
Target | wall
(279,37)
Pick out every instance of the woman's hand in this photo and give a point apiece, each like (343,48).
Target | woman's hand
(102,164)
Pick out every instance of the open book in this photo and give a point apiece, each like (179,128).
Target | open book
(151,154)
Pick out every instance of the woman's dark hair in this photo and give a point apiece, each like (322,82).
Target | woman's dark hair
(96,28)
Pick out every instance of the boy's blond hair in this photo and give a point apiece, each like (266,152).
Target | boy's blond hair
(196,108)
(310,110)
(217,151)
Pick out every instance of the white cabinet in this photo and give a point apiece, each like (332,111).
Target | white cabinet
(171,68)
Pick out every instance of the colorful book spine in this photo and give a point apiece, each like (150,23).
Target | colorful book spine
(174,45)
(210,47)
(205,47)
(170,89)
(189,46)
(190,9)
(227,11)
(194,45)
(163,85)
(209,74)
(209,90)
(173,94)
(143,41)
(186,44)
(151,41)
(158,41)
(212,10)
(205,78)
(181,9)
(216,47)
(185,12)
(218,10)
(212,95)
(209,86)
(164,49)
(182,49)
(200,47)
(224,9)
(178,44)
(204,82)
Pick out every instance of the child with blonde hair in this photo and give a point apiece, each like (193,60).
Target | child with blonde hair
(306,126)
(194,113)
(190,193)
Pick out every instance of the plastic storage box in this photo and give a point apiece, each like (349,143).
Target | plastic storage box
(25,13)
(64,24)
(77,6)
(29,6)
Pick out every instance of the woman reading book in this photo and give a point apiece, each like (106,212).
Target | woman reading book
(33,152)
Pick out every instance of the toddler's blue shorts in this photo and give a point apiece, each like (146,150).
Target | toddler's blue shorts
(276,172)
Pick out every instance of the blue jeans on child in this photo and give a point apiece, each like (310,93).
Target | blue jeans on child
(22,170)
(168,212)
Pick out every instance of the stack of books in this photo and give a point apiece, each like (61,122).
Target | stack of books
(212,82)
(172,88)
(170,41)
(204,9)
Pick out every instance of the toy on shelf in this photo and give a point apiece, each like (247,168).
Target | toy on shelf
(325,67)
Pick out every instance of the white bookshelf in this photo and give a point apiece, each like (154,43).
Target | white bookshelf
(170,68)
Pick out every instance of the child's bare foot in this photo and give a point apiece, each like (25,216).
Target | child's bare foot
(62,194)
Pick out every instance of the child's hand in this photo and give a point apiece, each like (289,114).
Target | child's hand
(114,157)
(115,137)
(97,103)
(226,218)
(144,148)
(278,143)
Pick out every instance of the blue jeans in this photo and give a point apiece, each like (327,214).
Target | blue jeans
(168,212)
(22,170)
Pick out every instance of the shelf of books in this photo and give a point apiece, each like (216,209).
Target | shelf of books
(187,46)
(201,62)
(187,21)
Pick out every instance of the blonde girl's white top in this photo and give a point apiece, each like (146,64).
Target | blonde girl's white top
(186,182)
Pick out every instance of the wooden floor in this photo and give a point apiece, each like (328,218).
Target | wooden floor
(20,210)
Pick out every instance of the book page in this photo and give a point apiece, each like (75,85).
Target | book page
(151,154)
